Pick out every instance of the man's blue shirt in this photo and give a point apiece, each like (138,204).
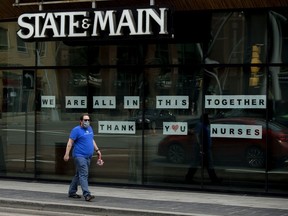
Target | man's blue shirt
(83,141)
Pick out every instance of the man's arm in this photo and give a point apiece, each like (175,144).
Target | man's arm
(97,150)
(68,149)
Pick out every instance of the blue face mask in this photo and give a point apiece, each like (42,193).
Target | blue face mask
(86,124)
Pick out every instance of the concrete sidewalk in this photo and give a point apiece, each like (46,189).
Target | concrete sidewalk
(130,201)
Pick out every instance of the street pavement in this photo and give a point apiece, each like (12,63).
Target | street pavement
(113,200)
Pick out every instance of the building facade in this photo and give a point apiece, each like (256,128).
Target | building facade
(146,73)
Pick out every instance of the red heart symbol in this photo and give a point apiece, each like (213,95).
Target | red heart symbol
(175,127)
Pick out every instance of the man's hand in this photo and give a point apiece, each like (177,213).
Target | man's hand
(66,157)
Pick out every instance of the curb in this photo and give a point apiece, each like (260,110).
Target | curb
(84,209)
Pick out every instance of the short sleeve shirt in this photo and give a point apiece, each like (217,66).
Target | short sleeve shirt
(83,141)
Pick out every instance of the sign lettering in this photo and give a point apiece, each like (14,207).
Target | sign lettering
(175,128)
(94,24)
(48,101)
(131,102)
(236,131)
(116,127)
(172,102)
(76,102)
(104,102)
(235,101)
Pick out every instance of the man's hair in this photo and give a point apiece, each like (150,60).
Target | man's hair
(82,116)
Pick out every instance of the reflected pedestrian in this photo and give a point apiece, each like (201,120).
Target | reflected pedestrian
(203,146)
(82,140)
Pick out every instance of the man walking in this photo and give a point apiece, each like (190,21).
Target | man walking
(82,140)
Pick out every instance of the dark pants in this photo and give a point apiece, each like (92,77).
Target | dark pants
(208,164)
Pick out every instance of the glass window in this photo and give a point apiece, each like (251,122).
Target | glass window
(18,126)
(54,122)
(237,112)
(227,45)
(277,36)
(148,103)
(21,45)
(19,53)
(41,49)
(3,39)
(278,134)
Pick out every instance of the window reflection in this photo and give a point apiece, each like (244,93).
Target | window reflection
(239,59)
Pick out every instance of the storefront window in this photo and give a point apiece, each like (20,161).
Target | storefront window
(14,53)
(4,39)
(147,102)
(277,36)
(277,140)
(227,44)
(17,125)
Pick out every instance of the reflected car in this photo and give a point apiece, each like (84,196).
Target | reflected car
(226,150)
(153,118)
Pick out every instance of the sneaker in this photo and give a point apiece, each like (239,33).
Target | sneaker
(74,196)
(89,197)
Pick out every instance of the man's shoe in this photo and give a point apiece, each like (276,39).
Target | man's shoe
(74,196)
(89,197)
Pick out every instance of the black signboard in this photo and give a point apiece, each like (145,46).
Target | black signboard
(28,79)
